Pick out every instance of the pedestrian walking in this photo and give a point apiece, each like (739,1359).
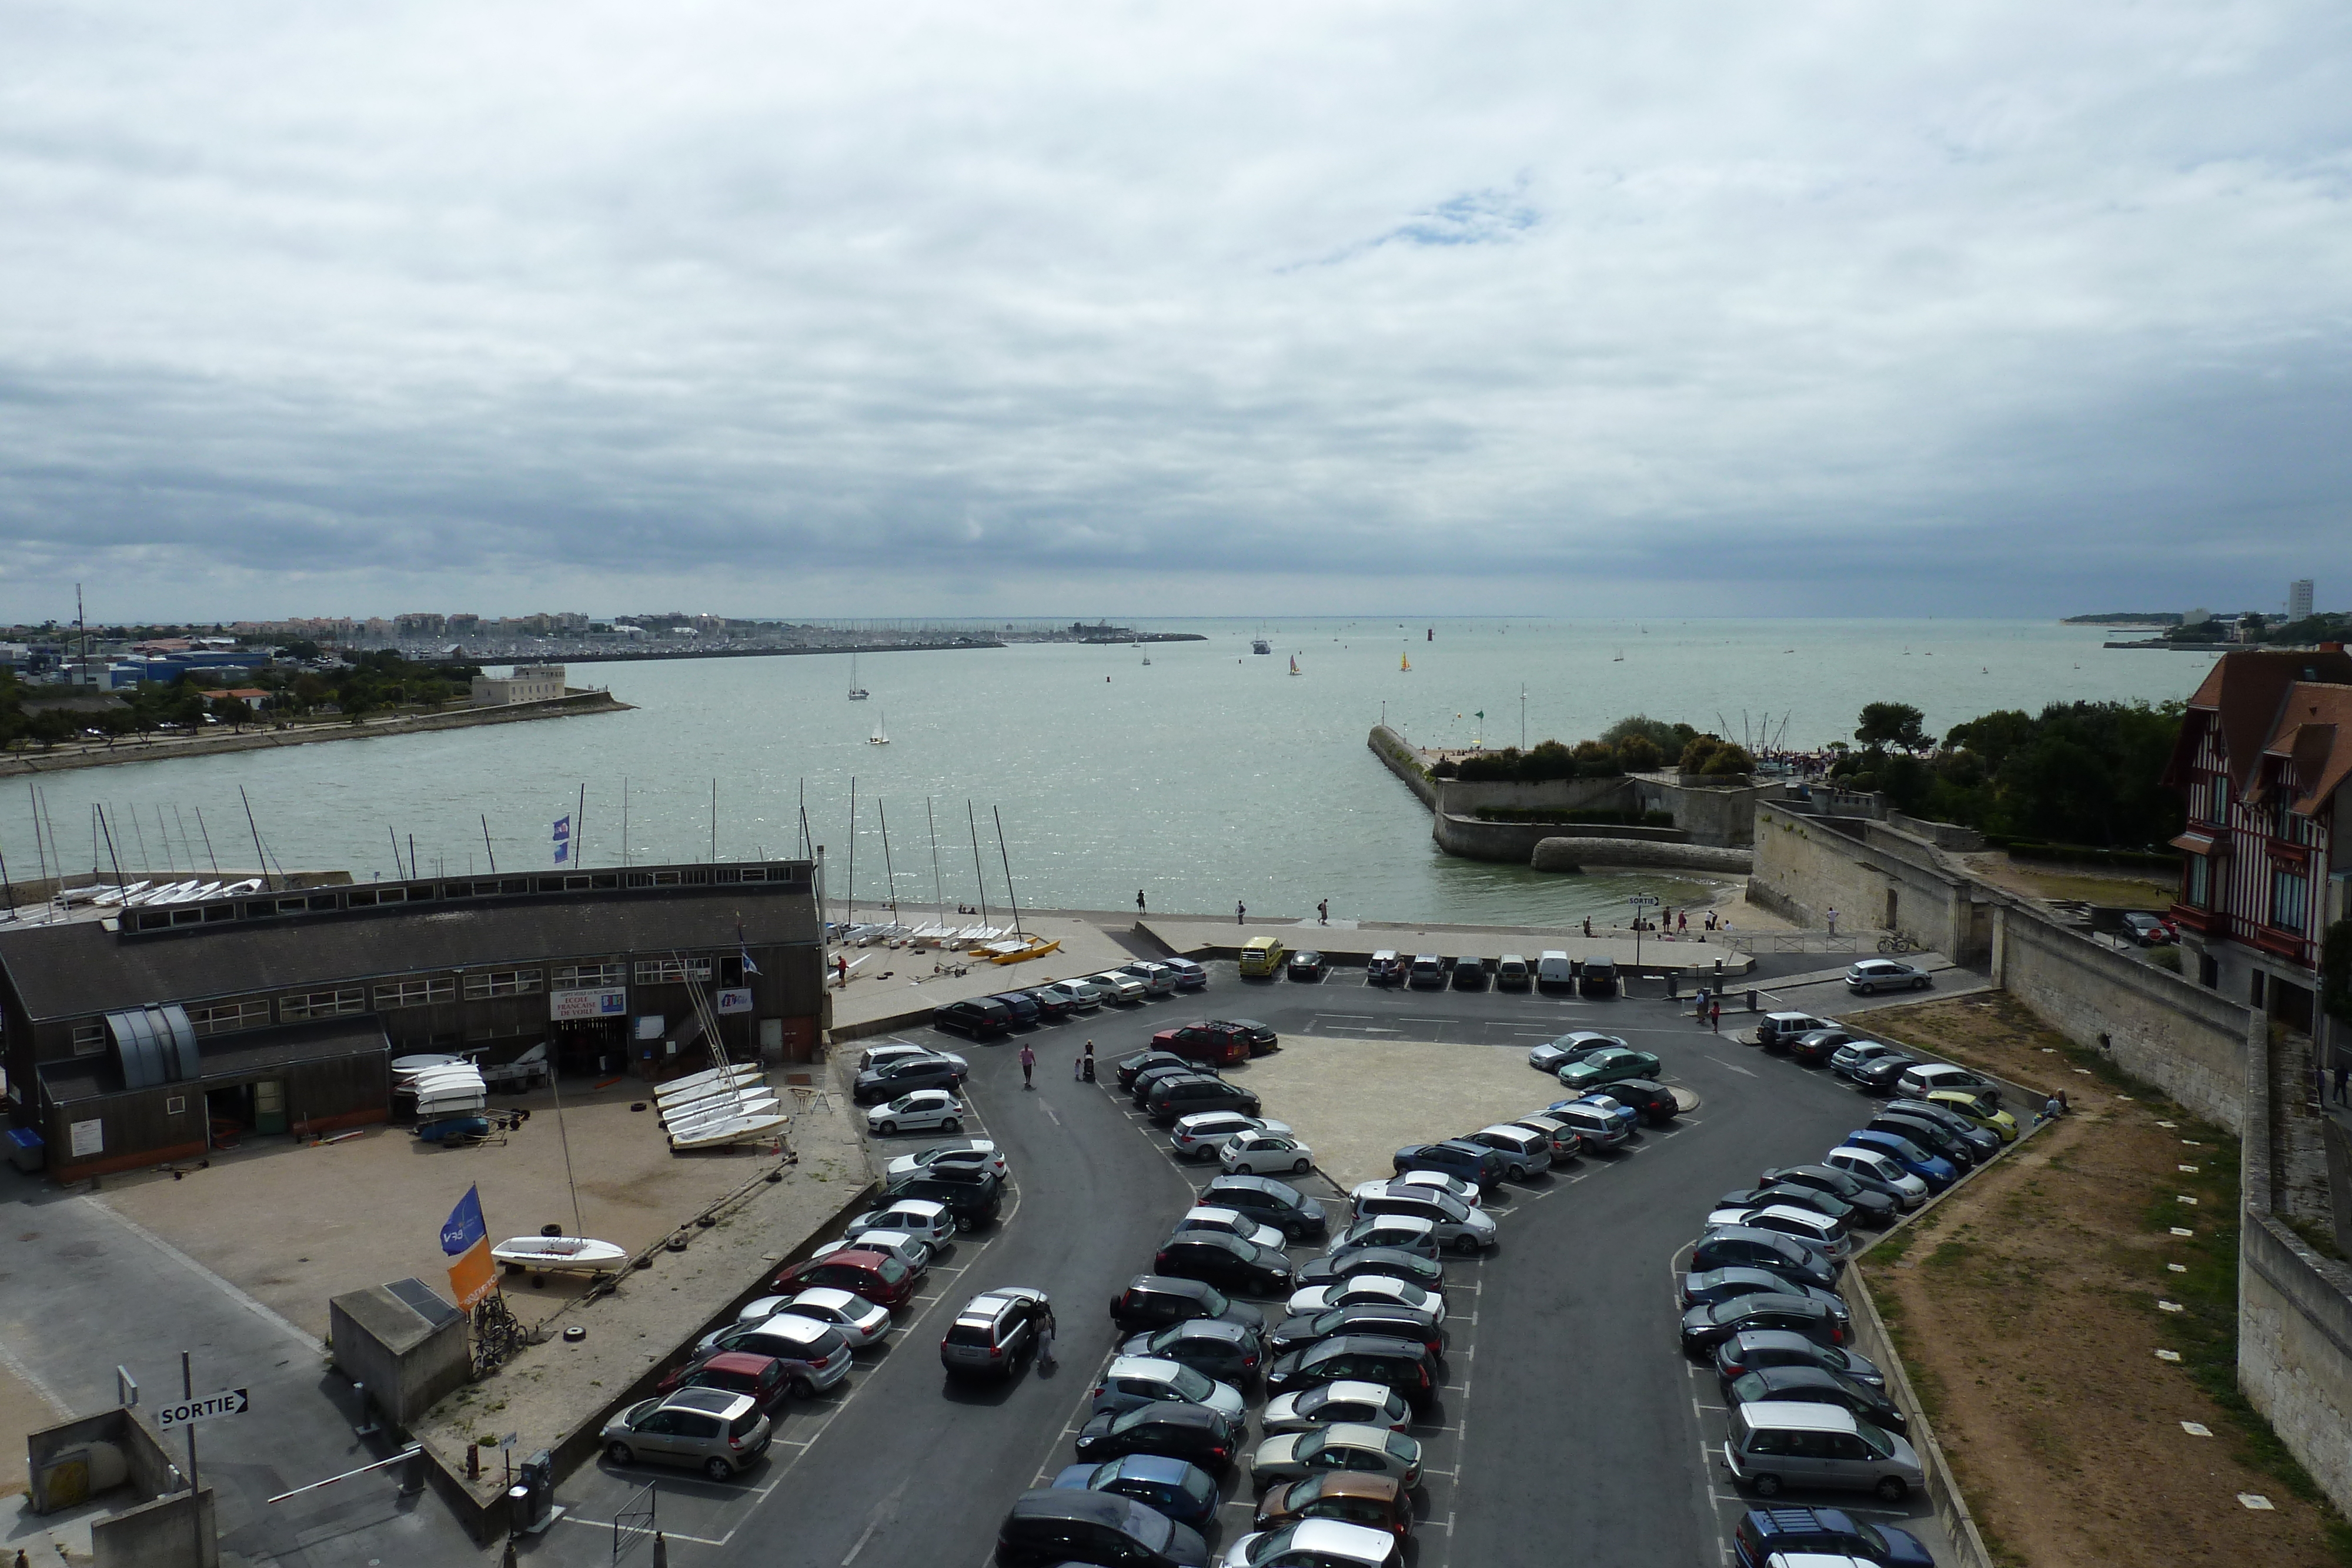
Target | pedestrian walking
(2343,1074)
(841,969)
(1682,923)
(1323,912)
(1240,909)
(1045,1327)
(1715,1015)
(1834,922)
(1028,1065)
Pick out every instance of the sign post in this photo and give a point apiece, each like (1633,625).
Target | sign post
(187,1413)
(1640,901)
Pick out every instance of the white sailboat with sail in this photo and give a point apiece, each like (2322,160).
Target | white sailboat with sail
(856,692)
(881,736)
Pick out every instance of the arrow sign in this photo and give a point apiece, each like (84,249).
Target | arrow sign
(181,1413)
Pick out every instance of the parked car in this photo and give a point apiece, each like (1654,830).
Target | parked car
(1368,1404)
(1385,967)
(922,1110)
(1374,1502)
(969,1155)
(996,1332)
(762,1377)
(876,1276)
(1930,1167)
(1455,1225)
(1229,1222)
(1928,1134)
(1526,1153)
(1193,1432)
(1983,1141)
(1384,1289)
(1263,1040)
(1867,1165)
(1705,1327)
(1596,977)
(1262,1154)
(1803,1225)
(1219,1046)
(1566,1143)
(1816,1047)
(1982,1111)
(1052,1006)
(858,1321)
(1133,1067)
(1148,1081)
(1828,1205)
(1739,1246)
(1468,974)
(1386,1319)
(1307,965)
(1214,1347)
(972,1197)
(1426,972)
(1025,1009)
(983,1018)
(1203,1134)
(1158,979)
(1764,1534)
(1573,1046)
(1877,1075)
(1885,975)
(1342,1445)
(1428,1181)
(1155,1300)
(1512,973)
(714,1430)
(2147,930)
(1923,1078)
(1595,1128)
(1053,1526)
(1131,1382)
(924,1218)
(1271,1202)
(1647,1098)
(1190,976)
(1331,1267)
(1724,1284)
(912,1250)
(1848,1060)
(1075,995)
(1389,1232)
(1262,957)
(1455,1157)
(1605,1067)
(1869,1199)
(1402,1366)
(1119,987)
(1819,1385)
(1226,1261)
(878,1056)
(905,1075)
(1554,972)
(1185,1493)
(1778,1032)
(1315,1544)
(814,1356)
(1175,1097)
(1753,1349)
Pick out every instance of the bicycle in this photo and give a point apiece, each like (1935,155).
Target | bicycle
(1897,942)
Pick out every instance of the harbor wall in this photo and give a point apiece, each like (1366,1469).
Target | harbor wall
(1397,754)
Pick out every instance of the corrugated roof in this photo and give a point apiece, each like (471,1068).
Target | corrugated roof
(75,970)
(88,1077)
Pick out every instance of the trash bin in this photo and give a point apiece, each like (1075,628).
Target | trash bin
(25,1150)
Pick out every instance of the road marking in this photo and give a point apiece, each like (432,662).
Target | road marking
(1733,1065)
(1049,1112)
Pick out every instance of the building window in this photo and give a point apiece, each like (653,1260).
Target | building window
(89,1039)
(2217,799)
(671,971)
(2200,881)
(322,1004)
(415,993)
(228,1017)
(2290,898)
(502,983)
(591,977)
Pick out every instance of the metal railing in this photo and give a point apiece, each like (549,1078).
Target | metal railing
(633,1520)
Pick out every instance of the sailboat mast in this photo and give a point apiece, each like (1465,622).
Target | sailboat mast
(976,872)
(890,875)
(938,887)
(1001,849)
(850,918)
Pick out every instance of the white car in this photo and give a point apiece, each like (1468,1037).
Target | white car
(898,1050)
(1316,1541)
(1885,975)
(1201,1135)
(857,1320)
(1081,994)
(1122,987)
(908,1249)
(1878,1167)
(1452,1187)
(1266,1154)
(1158,979)
(1362,1448)
(978,1154)
(1367,1403)
(915,1215)
(1232,1222)
(1373,1289)
(918,1112)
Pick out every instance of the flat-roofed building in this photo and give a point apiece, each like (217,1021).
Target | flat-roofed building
(527,683)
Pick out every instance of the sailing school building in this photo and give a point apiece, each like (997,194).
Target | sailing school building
(160,1033)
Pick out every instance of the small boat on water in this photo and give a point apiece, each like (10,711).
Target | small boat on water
(1404,662)
(881,736)
(1261,645)
(856,692)
(560,1254)
(1294,664)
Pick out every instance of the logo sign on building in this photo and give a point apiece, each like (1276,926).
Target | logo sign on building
(602,1004)
(735,1001)
(175,1413)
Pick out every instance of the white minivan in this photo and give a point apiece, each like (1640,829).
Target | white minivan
(1555,973)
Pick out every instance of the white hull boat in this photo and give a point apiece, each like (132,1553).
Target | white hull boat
(733,1130)
(683,1124)
(698,1085)
(560,1254)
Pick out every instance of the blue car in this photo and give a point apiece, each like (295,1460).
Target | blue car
(1937,1172)
(1767,1532)
(1185,1493)
(1624,1116)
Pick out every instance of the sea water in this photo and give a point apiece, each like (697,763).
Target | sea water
(1208,778)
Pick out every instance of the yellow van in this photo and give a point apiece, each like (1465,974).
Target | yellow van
(1263,956)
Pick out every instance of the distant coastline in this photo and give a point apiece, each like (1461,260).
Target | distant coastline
(2154,617)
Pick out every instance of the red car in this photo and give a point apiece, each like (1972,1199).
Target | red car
(1216,1044)
(762,1377)
(876,1276)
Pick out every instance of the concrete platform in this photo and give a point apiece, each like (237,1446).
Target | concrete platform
(1197,936)
(898,987)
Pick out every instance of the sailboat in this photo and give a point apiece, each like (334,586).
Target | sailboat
(881,736)
(1404,662)
(1147,661)
(1294,664)
(1620,658)
(856,692)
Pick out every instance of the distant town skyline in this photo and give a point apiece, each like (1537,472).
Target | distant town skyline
(1521,308)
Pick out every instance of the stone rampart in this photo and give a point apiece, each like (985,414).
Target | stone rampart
(1577,851)
(1877,878)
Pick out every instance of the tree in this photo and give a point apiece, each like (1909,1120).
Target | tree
(1727,760)
(1696,752)
(1892,724)
(1669,738)
(1640,754)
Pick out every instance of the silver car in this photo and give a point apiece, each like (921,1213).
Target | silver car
(1524,1153)
(1555,1054)
(1122,987)
(915,1216)
(1374,1404)
(1202,1135)
(1158,979)
(1457,1226)
(1232,1222)
(847,1313)
(1133,1380)
(1885,975)
(1079,994)
(715,1431)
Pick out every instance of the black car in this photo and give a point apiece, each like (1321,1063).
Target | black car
(973,1197)
(1426,1272)
(1145,1060)
(1025,1010)
(1723,1284)
(1875,1200)
(1307,965)
(1193,1433)
(1933,1136)
(905,1075)
(1182,1095)
(1816,1047)
(1057,1525)
(1147,1078)
(1983,1140)
(1596,977)
(1828,1206)
(1397,1364)
(1213,1347)
(983,1018)
(1744,1246)
(1654,1102)
(1819,1385)
(1155,1300)
(1269,1202)
(1469,974)
(1303,1329)
(1457,1157)
(1878,1074)
(1262,1041)
(1705,1327)
(1226,1261)
(1746,1351)
(1052,1006)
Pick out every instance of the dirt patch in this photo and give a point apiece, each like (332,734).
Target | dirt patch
(2038,880)
(2027,1311)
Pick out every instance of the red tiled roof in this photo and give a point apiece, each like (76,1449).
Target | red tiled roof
(2247,692)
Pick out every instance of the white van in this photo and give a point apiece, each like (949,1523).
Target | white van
(1555,973)
(1776,1443)
(1511,973)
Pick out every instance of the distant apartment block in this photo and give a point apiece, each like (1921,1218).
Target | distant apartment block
(528,683)
(423,624)
(2298,599)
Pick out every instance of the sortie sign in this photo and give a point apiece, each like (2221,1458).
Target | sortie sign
(181,1413)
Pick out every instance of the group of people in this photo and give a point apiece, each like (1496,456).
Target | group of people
(1673,923)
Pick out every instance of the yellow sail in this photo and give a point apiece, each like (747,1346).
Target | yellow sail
(1403,662)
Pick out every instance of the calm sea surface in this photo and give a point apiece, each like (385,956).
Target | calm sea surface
(1209,776)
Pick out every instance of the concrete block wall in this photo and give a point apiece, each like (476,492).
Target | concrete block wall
(1806,866)
(1466,797)
(157,1534)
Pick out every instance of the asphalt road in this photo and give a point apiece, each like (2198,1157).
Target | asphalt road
(1570,1425)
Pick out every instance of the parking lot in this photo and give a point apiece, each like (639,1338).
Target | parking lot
(1569,1425)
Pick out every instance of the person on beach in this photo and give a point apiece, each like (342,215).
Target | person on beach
(841,969)
(1323,912)
(1028,1065)
(1588,926)
(1138,901)
(1240,909)
(1682,923)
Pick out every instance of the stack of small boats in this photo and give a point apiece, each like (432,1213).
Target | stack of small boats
(726,1104)
(450,1096)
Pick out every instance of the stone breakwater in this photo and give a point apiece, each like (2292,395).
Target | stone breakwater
(1579,853)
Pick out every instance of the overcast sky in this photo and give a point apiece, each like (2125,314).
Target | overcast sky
(1578,308)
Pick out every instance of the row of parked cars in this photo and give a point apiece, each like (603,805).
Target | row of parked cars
(1552,972)
(1129,985)
(712,1412)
